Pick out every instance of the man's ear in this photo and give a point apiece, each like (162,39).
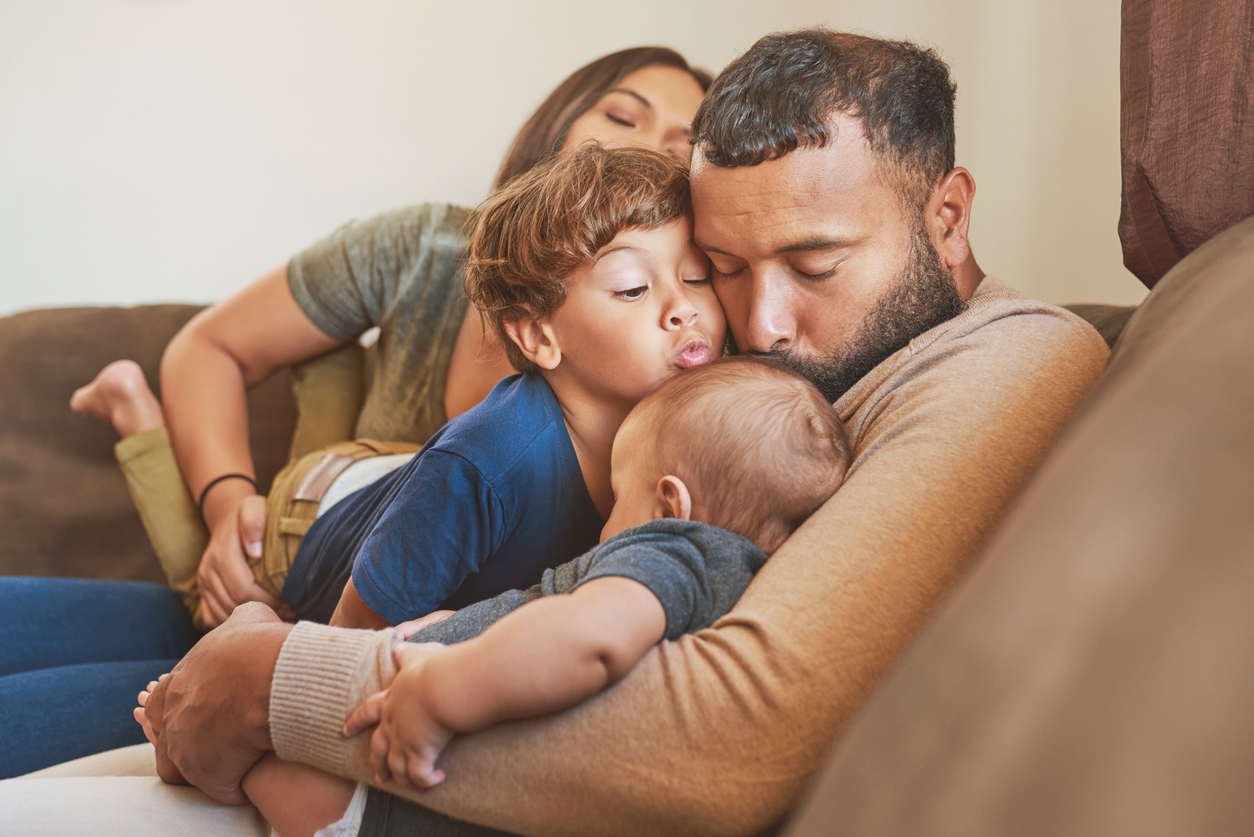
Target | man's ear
(947,216)
(673,499)
(537,341)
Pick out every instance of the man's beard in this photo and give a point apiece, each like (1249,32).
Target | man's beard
(924,297)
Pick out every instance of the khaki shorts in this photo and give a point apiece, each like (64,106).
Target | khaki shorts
(292,505)
(179,538)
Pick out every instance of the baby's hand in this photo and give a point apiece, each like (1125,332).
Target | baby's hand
(408,740)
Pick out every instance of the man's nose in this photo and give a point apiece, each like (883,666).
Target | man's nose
(770,316)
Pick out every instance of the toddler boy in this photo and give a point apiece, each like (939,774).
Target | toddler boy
(586,268)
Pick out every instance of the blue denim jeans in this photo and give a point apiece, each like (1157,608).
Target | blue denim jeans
(73,656)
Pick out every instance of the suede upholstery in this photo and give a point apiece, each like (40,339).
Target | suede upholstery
(64,508)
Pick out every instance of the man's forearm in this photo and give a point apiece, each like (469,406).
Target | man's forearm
(321,675)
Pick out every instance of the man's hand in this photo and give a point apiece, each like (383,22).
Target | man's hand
(408,740)
(225,576)
(211,715)
(148,713)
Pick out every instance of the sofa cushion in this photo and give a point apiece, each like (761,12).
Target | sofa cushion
(1109,320)
(1094,673)
(64,508)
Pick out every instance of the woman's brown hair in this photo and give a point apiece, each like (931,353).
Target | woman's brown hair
(542,136)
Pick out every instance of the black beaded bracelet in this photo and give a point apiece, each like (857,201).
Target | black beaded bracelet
(204,492)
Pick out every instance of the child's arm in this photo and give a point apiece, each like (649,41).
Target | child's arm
(353,612)
(547,655)
(296,799)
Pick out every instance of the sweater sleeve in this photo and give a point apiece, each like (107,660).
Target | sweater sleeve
(717,732)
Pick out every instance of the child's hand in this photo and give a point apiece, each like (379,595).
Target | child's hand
(408,740)
(413,626)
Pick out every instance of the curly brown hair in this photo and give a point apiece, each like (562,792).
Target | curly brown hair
(529,235)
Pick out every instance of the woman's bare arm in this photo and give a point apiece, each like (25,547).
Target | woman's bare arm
(205,371)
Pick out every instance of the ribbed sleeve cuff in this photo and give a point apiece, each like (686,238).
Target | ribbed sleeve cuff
(323,673)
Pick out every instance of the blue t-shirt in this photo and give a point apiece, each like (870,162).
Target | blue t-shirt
(494,499)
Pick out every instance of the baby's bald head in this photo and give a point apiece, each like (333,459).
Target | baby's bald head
(755,444)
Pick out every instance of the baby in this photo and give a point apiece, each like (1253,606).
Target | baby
(710,475)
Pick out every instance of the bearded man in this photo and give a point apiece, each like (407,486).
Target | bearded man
(827,199)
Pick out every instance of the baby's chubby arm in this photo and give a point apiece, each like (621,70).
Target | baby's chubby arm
(550,654)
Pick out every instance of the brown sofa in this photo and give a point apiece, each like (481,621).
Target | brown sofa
(1093,674)
(64,508)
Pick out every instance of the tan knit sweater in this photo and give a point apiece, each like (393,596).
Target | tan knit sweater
(718,732)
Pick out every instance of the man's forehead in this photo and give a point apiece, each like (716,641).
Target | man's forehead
(837,185)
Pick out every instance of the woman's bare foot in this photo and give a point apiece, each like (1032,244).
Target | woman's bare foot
(120,396)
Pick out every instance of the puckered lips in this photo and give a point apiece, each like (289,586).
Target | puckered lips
(693,353)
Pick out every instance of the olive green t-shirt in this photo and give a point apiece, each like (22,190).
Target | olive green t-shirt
(401,271)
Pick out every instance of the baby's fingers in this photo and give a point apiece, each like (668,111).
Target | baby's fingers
(380,745)
(422,772)
(367,714)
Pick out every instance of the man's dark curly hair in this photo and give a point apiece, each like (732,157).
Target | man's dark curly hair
(779,96)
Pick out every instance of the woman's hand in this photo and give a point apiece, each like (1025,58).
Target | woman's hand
(226,576)
(205,370)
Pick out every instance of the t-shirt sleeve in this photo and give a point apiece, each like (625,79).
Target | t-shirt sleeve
(442,523)
(697,575)
(348,280)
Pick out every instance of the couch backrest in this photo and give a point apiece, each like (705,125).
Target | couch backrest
(64,508)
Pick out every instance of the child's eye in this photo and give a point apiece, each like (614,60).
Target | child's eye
(698,280)
(632,293)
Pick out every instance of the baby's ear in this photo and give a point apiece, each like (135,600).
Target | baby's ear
(536,339)
(673,499)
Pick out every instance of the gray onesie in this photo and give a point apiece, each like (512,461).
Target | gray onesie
(696,571)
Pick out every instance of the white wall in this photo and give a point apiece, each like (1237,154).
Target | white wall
(170,150)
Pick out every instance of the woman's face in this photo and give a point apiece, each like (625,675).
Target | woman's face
(651,107)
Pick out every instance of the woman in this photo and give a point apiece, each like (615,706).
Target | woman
(400,272)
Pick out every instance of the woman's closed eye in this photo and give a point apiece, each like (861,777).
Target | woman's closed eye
(626,122)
